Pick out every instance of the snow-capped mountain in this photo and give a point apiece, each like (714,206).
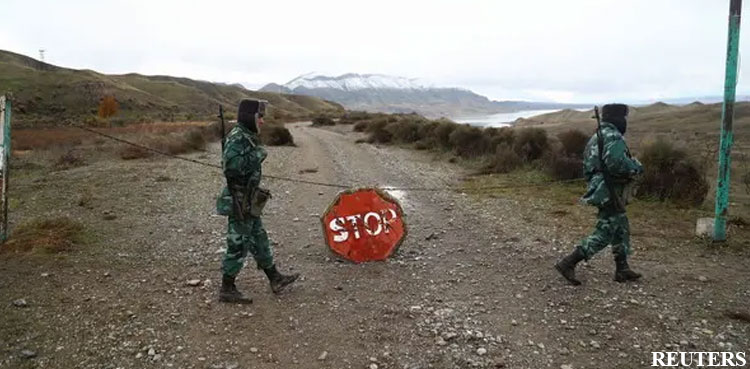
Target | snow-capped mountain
(353,82)
(389,94)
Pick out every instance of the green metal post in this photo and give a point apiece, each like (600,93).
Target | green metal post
(5,115)
(727,116)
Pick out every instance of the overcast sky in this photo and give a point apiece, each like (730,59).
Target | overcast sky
(551,50)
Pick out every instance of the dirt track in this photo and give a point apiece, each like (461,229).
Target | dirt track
(472,286)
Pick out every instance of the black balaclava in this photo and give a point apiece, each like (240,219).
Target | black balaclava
(616,114)
(249,112)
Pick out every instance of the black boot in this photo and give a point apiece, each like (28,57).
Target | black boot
(622,270)
(279,281)
(567,266)
(229,293)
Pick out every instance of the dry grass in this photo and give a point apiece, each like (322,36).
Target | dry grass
(66,137)
(128,152)
(45,236)
(70,159)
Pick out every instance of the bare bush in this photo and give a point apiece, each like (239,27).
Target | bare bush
(573,142)
(505,160)
(531,143)
(70,159)
(129,152)
(561,165)
(671,175)
(276,135)
(469,142)
(323,120)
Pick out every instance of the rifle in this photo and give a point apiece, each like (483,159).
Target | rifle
(223,131)
(603,166)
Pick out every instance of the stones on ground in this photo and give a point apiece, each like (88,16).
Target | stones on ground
(440,341)
(254,350)
(481,351)
(595,344)
(566,366)
(21,303)
(373,366)
(323,355)
(151,352)
(513,322)
(194,282)
(703,278)
(28,354)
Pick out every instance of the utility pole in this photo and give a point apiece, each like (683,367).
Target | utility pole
(727,117)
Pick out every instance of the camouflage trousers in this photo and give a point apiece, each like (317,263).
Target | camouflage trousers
(612,228)
(243,237)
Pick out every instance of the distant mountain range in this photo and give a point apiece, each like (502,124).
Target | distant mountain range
(45,94)
(390,94)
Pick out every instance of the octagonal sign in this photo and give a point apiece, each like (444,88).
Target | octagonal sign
(364,225)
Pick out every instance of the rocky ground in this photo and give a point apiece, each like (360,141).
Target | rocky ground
(471,287)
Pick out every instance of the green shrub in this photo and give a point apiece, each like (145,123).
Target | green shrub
(573,142)
(531,143)
(505,160)
(670,175)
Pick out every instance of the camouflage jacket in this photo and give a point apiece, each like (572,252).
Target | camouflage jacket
(621,166)
(241,161)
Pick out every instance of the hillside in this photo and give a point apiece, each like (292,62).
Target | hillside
(692,123)
(45,94)
(390,94)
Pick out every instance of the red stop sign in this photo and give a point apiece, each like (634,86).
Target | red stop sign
(364,225)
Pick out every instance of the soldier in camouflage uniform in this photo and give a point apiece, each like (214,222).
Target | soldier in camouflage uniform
(242,160)
(612,227)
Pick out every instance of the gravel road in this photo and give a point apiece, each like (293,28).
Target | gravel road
(471,287)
